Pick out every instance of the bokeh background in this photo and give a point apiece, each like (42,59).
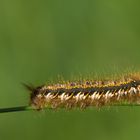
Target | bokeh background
(41,39)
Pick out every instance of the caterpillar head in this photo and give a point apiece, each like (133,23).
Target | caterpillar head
(36,98)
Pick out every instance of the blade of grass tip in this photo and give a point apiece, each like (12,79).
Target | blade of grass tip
(127,104)
(28,108)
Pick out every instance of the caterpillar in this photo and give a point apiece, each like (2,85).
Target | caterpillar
(86,93)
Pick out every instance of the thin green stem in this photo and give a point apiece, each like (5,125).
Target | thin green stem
(28,108)
(14,109)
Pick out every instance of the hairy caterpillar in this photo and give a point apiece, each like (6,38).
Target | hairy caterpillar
(87,93)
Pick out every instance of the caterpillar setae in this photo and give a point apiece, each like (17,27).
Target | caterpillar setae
(86,93)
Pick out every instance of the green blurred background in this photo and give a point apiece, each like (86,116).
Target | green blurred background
(41,39)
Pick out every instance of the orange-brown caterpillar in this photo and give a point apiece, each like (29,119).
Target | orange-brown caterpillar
(86,93)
